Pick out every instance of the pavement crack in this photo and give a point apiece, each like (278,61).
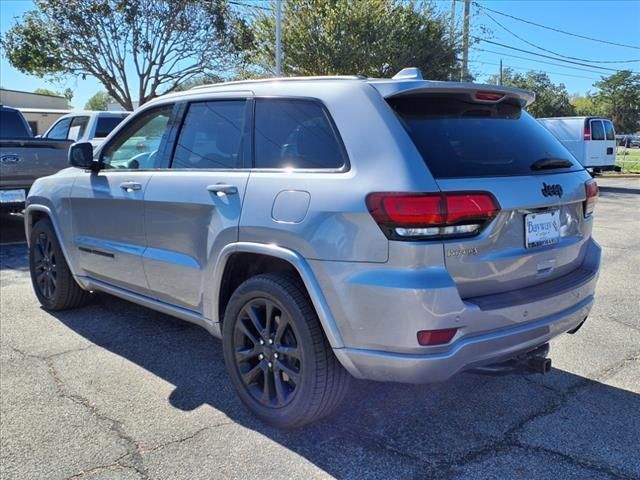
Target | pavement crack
(133,447)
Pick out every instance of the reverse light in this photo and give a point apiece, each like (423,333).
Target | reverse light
(592,191)
(415,216)
(436,337)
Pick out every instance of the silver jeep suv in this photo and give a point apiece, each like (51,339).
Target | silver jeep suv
(394,230)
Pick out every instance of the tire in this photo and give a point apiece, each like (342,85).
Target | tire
(51,277)
(312,383)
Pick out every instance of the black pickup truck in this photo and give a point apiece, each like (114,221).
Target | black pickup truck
(24,158)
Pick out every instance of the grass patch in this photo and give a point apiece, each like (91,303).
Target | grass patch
(628,160)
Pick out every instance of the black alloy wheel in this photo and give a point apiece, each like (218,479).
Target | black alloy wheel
(267,353)
(45,266)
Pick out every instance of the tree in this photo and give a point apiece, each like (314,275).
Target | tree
(376,38)
(618,98)
(552,100)
(67,94)
(46,91)
(585,106)
(135,48)
(100,101)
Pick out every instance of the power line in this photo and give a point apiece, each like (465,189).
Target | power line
(506,67)
(551,51)
(536,60)
(548,56)
(240,4)
(556,29)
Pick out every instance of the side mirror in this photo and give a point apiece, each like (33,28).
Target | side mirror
(81,156)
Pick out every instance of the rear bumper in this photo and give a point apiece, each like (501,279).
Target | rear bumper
(379,331)
(465,354)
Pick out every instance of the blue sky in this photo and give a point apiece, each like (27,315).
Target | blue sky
(611,20)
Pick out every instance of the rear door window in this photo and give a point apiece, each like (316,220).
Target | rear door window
(608,130)
(77,128)
(597,130)
(460,138)
(295,134)
(211,136)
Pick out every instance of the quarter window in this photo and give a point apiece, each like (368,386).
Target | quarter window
(295,134)
(138,145)
(597,130)
(211,136)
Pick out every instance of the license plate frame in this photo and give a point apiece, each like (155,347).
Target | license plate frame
(542,228)
(10,197)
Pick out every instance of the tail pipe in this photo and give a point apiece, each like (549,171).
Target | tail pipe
(533,361)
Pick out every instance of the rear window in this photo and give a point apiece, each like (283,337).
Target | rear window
(11,125)
(459,138)
(608,130)
(597,130)
(106,124)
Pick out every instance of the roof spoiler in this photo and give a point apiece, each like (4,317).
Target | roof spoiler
(409,82)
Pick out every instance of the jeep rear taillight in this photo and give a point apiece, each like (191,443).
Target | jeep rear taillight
(592,192)
(427,216)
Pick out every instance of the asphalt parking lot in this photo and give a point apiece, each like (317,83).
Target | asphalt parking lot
(113,390)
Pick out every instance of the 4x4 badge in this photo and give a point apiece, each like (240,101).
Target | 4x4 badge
(551,190)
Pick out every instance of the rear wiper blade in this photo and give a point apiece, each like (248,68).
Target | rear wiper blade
(550,163)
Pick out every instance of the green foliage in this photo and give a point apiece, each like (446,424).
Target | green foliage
(376,38)
(618,98)
(552,100)
(99,101)
(67,94)
(135,48)
(585,106)
(46,91)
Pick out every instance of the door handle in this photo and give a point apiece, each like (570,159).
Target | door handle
(130,186)
(221,189)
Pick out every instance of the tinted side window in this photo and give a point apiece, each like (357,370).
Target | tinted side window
(608,129)
(78,126)
(295,134)
(211,136)
(60,130)
(11,125)
(597,130)
(105,125)
(138,145)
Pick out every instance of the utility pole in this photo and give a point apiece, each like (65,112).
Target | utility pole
(278,38)
(452,29)
(500,72)
(465,42)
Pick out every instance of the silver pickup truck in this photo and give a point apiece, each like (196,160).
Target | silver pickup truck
(23,158)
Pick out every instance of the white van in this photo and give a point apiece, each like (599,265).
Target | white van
(592,140)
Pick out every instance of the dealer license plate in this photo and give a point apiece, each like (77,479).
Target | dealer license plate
(542,228)
(12,196)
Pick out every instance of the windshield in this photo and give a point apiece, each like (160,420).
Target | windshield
(460,138)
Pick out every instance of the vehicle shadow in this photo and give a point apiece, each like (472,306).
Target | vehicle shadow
(623,190)
(390,430)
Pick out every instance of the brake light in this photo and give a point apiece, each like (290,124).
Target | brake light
(592,191)
(415,216)
(587,133)
(436,337)
(489,96)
